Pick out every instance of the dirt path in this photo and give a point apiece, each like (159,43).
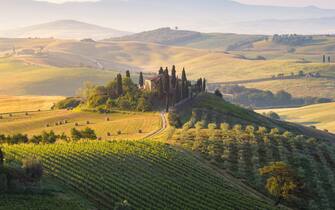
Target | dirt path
(164,126)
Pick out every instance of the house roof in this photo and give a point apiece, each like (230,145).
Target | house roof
(155,78)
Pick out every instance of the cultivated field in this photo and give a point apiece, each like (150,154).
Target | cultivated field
(131,125)
(321,115)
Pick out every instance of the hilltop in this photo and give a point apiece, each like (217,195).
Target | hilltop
(64,29)
(213,41)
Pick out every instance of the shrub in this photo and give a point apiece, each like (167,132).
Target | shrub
(75,134)
(224,126)
(68,103)
(33,169)
(88,133)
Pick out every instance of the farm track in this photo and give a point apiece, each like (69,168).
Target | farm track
(164,126)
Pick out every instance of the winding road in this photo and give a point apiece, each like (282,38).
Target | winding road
(164,126)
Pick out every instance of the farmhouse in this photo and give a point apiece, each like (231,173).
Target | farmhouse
(152,83)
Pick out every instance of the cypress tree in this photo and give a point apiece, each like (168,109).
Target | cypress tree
(141,80)
(184,84)
(128,73)
(329,59)
(199,85)
(1,158)
(177,92)
(161,71)
(119,85)
(204,85)
(167,89)
(161,87)
(173,76)
(324,58)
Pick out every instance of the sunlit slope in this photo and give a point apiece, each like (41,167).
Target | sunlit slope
(313,51)
(27,103)
(217,66)
(148,175)
(313,87)
(20,78)
(131,125)
(321,115)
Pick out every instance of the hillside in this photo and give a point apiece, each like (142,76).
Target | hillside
(148,175)
(239,142)
(216,110)
(64,29)
(320,115)
(213,41)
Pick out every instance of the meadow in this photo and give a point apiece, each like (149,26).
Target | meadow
(321,115)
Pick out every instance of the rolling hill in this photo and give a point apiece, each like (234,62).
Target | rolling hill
(64,29)
(213,41)
(149,175)
(78,61)
(320,115)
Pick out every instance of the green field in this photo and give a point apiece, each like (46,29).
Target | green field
(148,175)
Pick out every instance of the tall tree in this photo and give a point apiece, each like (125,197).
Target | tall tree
(161,71)
(128,73)
(1,158)
(324,59)
(204,85)
(199,85)
(177,92)
(329,61)
(119,85)
(141,80)
(167,89)
(173,76)
(184,85)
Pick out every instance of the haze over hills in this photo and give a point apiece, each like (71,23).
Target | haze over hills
(132,15)
(64,29)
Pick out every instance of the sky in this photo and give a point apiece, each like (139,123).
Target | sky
(299,3)
(327,4)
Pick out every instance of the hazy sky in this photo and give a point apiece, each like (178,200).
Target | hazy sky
(300,3)
(319,3)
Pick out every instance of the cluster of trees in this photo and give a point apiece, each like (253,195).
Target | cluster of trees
(19,178)
(45,138)
(48,137)
(174,90)
(121,93)
(280,163)
(292,39)
(87,133)
(251,97)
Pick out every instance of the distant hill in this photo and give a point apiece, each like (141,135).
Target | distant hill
(64,29)
(138,15)
(301,26)
(216,41)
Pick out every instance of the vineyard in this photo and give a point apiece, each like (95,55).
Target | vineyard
(242,151)
(149,175)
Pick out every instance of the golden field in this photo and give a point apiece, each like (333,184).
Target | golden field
(27,103)
(127,122)
(321,115)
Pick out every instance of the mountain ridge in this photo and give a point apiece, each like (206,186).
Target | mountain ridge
(64,29)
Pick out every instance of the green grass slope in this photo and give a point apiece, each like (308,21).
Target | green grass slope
(212,109)
(148,175)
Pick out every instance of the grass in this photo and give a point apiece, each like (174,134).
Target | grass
(27,103)
(321,115)
(129,123)
(149,175)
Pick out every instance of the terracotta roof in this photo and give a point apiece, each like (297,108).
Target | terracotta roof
(155,78)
